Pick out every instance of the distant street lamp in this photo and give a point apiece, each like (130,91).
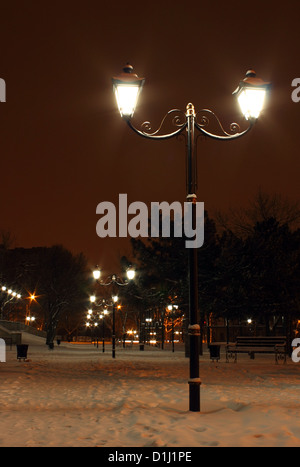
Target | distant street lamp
(172,309)
(102,316)
(6,296)
(28,318)
(251,94)
(92,324)
(113,280)
(92,318)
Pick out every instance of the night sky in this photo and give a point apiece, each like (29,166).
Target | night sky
(64,147)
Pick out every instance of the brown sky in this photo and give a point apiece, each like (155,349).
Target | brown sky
(64,147)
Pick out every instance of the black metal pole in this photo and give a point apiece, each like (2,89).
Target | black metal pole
(163,331)
(103,335)
(194,328)
(173,348)
(114,332)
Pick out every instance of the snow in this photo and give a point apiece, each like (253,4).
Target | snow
(75,395)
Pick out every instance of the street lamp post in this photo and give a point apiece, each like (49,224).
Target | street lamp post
(104,304)
(115,300)
(102,316)
(28,319)
(113,280)
(172,309)
(250,94)
(92,319)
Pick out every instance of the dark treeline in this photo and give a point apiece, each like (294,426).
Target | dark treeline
(57,278)
(249,267)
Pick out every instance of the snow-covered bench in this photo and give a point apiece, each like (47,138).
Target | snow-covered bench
(253,345)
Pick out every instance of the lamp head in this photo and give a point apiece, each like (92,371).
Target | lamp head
(97,274)
(130,274)
(127,87)
(251,94)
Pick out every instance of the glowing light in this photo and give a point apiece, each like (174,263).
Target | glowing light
(251,102)
(251,94)
(97,274)
(130,274)
(126,96)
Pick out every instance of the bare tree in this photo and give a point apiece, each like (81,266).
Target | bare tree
(262,207)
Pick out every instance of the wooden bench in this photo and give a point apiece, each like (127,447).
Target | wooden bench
(253,345)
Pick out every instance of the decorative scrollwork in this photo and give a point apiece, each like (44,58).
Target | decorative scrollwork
(174,118)
(179,119)
(176,121)
(113,279)
(202,121)
(146,127)
(235,128)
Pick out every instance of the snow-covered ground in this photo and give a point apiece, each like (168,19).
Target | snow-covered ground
(77,396)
